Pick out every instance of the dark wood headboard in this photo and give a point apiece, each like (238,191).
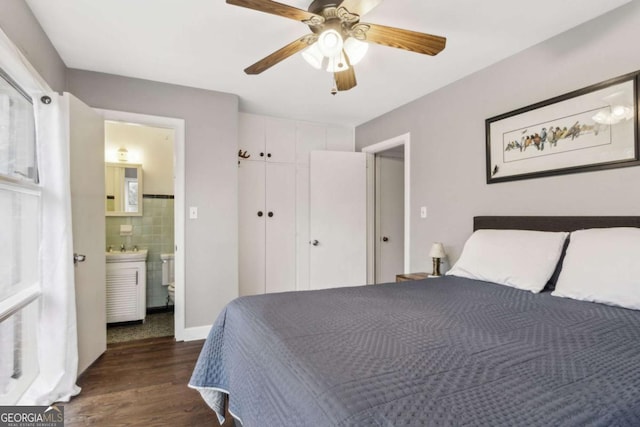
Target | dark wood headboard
(553,223)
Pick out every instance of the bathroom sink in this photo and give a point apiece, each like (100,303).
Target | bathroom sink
(127,256)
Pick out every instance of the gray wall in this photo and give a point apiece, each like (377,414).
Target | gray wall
(211,135)
(17,21)
(448,137)
(211,120)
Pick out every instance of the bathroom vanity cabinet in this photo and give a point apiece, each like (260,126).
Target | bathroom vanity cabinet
(126,290)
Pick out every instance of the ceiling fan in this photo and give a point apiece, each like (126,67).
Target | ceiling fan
(338,40)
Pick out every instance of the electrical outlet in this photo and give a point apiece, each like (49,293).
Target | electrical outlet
(423,212)
(193,212)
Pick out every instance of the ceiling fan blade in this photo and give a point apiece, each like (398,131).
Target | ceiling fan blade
(360,7)
(279,9)
(279,55)
(346,79)
(405,39)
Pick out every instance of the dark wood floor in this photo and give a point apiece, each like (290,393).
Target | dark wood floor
(141,383)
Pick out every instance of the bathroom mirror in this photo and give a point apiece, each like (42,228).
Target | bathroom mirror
(123,189)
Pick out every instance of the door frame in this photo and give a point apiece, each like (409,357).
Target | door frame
(178,126)
(380,180)
(371,151)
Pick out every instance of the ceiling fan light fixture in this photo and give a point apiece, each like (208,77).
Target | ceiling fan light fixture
(332,24)
(330,43)
(355,49)
(313,56)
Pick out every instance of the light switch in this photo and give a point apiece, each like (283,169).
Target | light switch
(193,212)
(423,212)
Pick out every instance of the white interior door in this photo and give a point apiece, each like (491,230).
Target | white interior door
(389,240)
(280,227)
(252,215)
(337,214)
(86,131)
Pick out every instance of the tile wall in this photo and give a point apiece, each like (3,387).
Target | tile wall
(152,231)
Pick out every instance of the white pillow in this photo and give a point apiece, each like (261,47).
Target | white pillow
(518,258)
(602,265)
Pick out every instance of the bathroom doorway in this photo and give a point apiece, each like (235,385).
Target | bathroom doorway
(153,220)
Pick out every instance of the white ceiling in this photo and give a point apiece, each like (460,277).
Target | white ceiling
(208,43)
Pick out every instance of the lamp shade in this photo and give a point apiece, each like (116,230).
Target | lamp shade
(313,56)
(437,251)
(330,43)
(355,49)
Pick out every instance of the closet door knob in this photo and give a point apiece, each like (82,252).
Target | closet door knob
(261,154)
(385,239)
(314,242)
(260,213)
(270,214)
(268,154)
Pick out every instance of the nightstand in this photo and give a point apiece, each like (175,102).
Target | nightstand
(411,276)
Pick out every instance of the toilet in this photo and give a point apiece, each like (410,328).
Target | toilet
(168,276)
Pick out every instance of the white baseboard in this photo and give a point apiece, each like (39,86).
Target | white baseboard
(195,333)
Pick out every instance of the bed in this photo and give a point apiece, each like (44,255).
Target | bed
(442,351)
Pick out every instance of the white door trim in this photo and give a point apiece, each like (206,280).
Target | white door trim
(371,151)
(178,126)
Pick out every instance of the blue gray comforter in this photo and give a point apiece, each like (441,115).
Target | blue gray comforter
(447,351)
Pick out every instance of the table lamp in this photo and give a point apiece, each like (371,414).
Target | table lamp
(437,253)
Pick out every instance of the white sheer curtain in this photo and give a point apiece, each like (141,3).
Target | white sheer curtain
(57,337)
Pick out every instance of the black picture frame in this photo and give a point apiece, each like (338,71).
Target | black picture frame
(515,141)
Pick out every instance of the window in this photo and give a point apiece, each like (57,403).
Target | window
(131,189)
(17,132)
(19,242)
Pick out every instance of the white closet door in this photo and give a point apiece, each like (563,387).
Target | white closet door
(280,141)
(251,235)
(338,219)
(251,138)
(281,227)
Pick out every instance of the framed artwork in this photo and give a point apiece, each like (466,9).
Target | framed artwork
(586,130)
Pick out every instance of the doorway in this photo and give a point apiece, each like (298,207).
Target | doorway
(388,208)
(157,202)
(389,214)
